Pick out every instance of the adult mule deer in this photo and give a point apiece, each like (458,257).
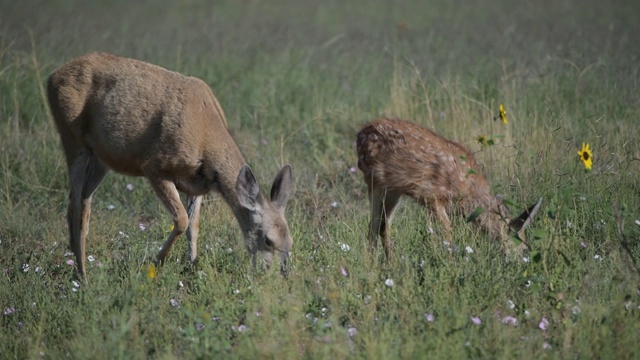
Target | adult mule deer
(139,119)
(401,158)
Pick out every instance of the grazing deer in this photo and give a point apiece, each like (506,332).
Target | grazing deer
(401,158)
(139,119)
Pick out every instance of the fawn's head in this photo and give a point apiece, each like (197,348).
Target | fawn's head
(266,229)
(500,225)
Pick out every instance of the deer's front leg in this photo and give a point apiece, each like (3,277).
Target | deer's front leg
(167,192)
(193,211)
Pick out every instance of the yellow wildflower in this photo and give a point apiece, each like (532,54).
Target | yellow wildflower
(503,114)
(586,156)
(151,273)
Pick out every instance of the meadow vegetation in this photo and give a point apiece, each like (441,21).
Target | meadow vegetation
(297,80)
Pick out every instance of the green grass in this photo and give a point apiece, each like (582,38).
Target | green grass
(297,79)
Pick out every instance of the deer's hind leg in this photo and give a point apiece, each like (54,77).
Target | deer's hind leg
(85,174)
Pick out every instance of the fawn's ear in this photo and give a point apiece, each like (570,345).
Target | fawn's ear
(247,188)
(503,207)
(282,188)
(518,224)
(500,198)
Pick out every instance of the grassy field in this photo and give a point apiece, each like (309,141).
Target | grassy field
(297,79)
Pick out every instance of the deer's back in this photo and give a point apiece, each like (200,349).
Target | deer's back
(131,113)
(402,156)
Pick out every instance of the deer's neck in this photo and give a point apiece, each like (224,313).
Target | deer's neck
(225,178)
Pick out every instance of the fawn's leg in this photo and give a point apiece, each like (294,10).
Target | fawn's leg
(376,201)
(390,202)
(167,192)
(383,204)
(438,208)
(193,211)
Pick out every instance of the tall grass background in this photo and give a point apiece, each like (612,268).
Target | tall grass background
(297,79)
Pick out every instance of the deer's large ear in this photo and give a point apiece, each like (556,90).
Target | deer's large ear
(247,188)
(518,224)
(282,188)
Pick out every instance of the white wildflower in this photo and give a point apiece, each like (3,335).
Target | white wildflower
(10,310)
(510,320)
(543,324)
(352,331)
(575,310)
(344,271)
(243,328)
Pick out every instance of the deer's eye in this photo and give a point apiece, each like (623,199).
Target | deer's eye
(268,242)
